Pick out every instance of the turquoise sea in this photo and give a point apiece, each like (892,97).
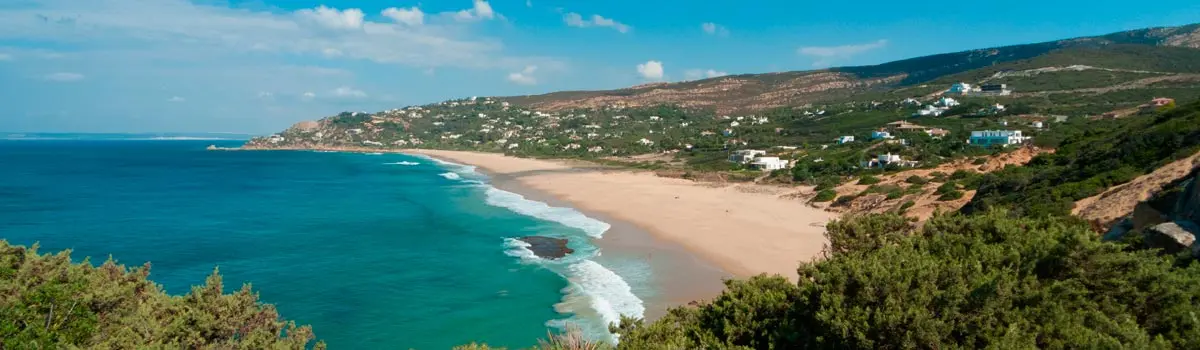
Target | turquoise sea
(383,251)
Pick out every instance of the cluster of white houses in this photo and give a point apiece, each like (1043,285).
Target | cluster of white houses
(965,89)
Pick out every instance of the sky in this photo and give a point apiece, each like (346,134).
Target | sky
(259,66)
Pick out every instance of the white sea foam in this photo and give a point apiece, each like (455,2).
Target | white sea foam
(374,154)
(605,292)
(403,163)
(450,176)
(566,216)
(520,249)
(595,296)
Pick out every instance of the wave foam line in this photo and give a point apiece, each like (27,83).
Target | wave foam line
(606,293)
(403,163)
(566,216)
(450,176)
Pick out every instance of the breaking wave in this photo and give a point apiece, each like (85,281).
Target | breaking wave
(566,216)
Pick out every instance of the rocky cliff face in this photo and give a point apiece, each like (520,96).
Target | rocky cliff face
(1170,220)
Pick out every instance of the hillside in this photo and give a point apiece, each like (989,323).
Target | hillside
(1058,91)
(1169,49)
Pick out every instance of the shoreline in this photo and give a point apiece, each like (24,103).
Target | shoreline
(679,276)
(700,234)
(743,233)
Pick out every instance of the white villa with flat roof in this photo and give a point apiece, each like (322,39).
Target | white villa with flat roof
(746,156)
(769,163)
(996,137)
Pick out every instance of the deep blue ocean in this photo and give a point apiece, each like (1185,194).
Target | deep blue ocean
(381,251)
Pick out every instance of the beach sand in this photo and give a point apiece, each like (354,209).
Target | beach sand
(743,233)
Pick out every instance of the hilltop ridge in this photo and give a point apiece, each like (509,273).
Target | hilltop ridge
(752,92)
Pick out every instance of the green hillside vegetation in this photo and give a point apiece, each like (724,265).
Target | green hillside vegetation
(1089,160)
(958,282)
(48,302)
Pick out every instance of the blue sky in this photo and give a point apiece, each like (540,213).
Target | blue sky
(259,66)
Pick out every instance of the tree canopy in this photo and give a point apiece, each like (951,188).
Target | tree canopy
(46,302)
(984,281)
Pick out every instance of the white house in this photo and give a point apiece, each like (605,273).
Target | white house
(1038,125)
(746,156)
(888,159)
(876,135)
(930,110)
(735,123)
(372,143)
(845,139)
(646,142)
(911,101)
(996,137)
(769,163)
(960,89)
(947,102)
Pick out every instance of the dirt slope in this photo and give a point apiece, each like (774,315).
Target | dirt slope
(1117,202)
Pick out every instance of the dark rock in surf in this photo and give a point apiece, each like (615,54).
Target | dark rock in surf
(547,247)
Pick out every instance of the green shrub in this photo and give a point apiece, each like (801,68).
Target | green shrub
(48,302)
(979,282)
(868,180)
(979,161)
(946,188)
(828,182)
(825,196)
(916,180)
(909,204)
(962,174)
(952,195)
(895,194)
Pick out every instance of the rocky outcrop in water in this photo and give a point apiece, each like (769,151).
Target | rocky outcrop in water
(547,247)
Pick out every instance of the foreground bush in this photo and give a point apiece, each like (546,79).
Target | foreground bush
(47,302)
(987,281)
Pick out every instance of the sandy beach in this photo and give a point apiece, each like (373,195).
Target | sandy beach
(741,232)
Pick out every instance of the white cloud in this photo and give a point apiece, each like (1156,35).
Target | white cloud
(176,99)
(308,96)
(184,28)
(334,18)
(826,55)
(576,20)
(714,29)
(331,52)
(651,70)
(264,95)
(482,10)
(348,92)
(5,57)
(410,16)
(524,77)
(64,77)
(696,74)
